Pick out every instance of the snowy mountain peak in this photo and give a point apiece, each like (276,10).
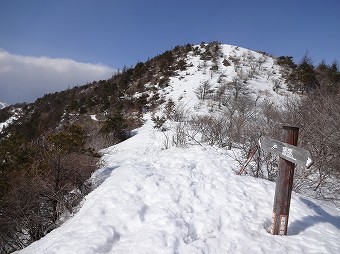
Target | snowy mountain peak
(221,67)
(3,105)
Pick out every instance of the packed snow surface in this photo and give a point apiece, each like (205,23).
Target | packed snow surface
(185,200)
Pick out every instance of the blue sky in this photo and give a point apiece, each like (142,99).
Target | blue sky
(117,33)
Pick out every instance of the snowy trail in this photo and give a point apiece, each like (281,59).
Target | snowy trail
(185,201)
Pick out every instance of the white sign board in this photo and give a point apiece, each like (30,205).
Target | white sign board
(288,152)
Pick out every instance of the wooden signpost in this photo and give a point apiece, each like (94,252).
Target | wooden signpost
(288,152)
(289,155)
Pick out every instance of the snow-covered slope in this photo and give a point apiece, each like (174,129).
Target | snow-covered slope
(260,73)
(4,124)
(189,200)
(155,200)
(15,115)
(3,105)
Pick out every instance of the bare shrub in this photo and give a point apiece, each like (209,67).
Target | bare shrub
(178,113)
(203,90)
(39,193)
(213,129)
(179,138)
(318,117)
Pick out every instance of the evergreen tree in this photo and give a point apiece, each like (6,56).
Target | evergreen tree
(115,126)
(303,78)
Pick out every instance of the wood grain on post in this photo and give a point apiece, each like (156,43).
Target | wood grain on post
(284,186)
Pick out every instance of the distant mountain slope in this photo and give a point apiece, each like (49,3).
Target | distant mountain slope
(3,105)
(132,91)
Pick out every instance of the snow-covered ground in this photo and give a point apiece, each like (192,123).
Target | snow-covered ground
(182,88)
(156,200)
(14,117)
(189,200)
(3,105)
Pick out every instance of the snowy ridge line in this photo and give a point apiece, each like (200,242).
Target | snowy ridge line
(14,117)
(188,200)
(3,105)
(184,200)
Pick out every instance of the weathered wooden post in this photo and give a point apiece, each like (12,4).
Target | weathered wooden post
(290,155)
(284,184)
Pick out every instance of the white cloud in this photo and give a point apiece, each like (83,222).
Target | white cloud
(25,78)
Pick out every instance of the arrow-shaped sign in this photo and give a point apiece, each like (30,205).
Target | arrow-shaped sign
(288,152)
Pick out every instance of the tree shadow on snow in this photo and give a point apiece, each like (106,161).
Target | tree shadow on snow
(101,175)
(298,226)
(133,133)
